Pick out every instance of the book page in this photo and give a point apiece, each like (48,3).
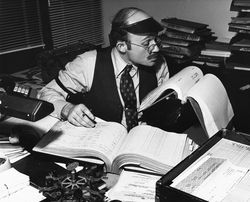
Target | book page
(180,83)
(102,141)
(215,106)
(12,181)
(235,152)
(28,193)
(240,192)
(212,180)
(151,148)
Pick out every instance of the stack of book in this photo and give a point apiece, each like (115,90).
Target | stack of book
(14,152)
(183,39)
(240,5)
(240,43)
(214,54)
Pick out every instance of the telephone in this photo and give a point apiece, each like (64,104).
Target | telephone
(12,88)
(15,100)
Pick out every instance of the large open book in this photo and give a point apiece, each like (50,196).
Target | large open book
(206,94)
(143,147)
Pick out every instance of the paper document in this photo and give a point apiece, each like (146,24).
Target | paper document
(240,192)
(211,179)
(134,186)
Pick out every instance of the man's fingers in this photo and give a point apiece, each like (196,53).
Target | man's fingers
(79,121)
(80,115)
(84,120)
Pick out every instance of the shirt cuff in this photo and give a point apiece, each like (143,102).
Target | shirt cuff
(58,106)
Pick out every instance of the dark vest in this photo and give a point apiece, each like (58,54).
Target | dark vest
(103,98)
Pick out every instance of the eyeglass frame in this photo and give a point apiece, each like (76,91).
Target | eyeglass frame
(157,41)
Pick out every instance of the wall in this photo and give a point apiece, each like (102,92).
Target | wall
(215,13)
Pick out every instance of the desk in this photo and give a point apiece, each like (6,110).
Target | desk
(37,166)
(41,126)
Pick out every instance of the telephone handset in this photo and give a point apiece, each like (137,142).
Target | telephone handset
(13,88)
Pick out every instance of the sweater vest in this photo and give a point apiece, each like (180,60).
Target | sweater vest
(103,98)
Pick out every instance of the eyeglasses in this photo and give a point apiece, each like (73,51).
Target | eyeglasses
(150,48)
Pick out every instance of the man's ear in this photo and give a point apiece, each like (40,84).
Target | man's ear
(121,46)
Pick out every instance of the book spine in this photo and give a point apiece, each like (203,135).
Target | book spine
(177,42)
(241,31)
(174,55)
(177,50)
(183,36)
(240,20)
(178,27)
(240,49)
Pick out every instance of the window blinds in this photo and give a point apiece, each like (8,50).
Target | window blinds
(20,25)
(72,21)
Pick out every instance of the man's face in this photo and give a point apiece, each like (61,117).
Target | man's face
(142,50)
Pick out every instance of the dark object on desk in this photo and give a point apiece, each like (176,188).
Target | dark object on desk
(30,109)
(170,114)
(7,83)
(75,186)
(26,136)
(164,190)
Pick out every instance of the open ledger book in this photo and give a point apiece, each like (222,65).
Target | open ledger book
(206,94)
(144,146)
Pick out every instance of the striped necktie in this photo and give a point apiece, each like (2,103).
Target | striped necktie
(128,95)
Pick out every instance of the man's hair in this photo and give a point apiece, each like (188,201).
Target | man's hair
(119,21)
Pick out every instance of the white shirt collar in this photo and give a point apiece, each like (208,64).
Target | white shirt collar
(118,63)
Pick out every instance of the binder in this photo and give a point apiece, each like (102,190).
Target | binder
(164,190)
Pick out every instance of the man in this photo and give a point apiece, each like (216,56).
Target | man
(91,85)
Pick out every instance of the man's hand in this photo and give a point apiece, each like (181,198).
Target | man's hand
(78,115)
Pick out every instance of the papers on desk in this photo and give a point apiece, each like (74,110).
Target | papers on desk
(240,192)
(15,186)
(220,175)
(134,186)
(27,194)
(12,181)
(211,179)
(16,152)
(12,152)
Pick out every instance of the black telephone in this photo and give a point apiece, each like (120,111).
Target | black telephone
(8,84)
(15,100)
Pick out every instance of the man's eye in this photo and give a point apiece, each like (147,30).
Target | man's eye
(146,43)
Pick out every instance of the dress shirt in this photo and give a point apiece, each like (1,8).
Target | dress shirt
(79,74)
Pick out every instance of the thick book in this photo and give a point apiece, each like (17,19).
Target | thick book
(239,26)
(184,25)
(241,45)
(182,35)
(238,30)
(189,51)
(243,6)
(206,94)
(177,42)
(241,3)
(240,20)
(144,146)
(239,62)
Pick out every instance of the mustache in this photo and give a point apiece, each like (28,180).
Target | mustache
(153,56)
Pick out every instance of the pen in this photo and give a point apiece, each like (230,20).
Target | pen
(90,118)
